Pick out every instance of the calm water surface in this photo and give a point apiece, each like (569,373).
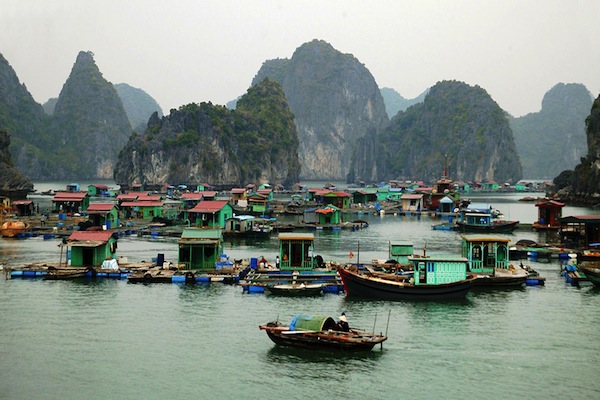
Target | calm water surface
(110,339)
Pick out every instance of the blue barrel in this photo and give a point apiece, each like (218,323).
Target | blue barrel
(16,273)
(204,279)
(254,263)
(160,259)
(256,289)
(28,273)
(154,234)
(178,279)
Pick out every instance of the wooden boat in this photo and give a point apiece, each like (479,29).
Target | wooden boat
(66,273)
(296,289)
(426,284)
(11,229)
(477,220)
(318,332)
(592,274)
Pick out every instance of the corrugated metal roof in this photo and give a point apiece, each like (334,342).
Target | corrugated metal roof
(199,233)
(98,236)
(296,236)
(209,206)
(69,196)
(100,207)
(142,204)
(484,238)
(192,196)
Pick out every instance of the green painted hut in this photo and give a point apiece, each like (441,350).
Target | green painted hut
(199,249)
(329,215)
(296,251)
(103,214)
(211,213)
(436,270)
(485,253)
(91,248)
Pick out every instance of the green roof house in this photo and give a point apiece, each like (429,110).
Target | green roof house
(199,249)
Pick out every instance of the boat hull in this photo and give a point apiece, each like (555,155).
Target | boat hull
(494,227)
(322,340)
(592,274)
(296,290)
(361,286)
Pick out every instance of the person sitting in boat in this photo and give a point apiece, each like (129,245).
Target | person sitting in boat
(263,262)
(342,324)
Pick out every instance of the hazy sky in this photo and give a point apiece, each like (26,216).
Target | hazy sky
(183,51)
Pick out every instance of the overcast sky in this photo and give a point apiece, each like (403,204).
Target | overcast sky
(182,51)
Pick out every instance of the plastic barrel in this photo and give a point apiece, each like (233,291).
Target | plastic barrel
(178,279)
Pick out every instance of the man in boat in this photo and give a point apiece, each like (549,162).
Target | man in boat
(342,324)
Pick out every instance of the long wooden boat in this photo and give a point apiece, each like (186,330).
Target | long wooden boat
(296,289)
(67,273)
(394,287)
(318,332)
(592,274)
(494,226)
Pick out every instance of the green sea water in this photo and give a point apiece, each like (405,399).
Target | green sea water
(110,339)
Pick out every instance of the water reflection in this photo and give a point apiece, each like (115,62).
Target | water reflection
(334,359)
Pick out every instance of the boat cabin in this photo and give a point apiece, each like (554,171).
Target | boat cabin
(199,249)
(485,253)
(401,251)
(549,213)
(436,270)
(296,251)
(91,248)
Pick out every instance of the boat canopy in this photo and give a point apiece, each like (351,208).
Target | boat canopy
(311,323)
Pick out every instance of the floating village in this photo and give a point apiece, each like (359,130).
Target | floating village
(87,226)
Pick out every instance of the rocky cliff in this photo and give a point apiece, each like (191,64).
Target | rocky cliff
(13,183)
(582,185)
(455,120)
(335,100)
(257,143)
(553,139)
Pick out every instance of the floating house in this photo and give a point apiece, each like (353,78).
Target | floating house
(549,214)
(485,253)
(412,202)
(365,196)
(329,215)
(238,194)
(199,249)
(70,202)
(24,208)
(91,248)
(296,251)
(580,232)
(247,226)
(258,203)
(98,190)
(448,204)
(190,200)
(211,213)
(142,209)
(103,214)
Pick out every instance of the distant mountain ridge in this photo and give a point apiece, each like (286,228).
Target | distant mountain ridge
(138,104)
(77,135)
(554,139)
(395,102)
(455,120)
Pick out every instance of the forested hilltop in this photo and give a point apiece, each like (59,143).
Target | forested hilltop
(455,120)
(13,183)
(553,139)
(582,185)
(257,142)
